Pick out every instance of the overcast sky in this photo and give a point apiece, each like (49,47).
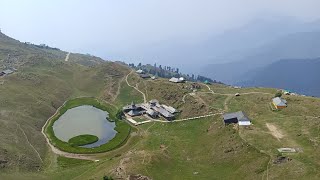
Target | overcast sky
(105,27)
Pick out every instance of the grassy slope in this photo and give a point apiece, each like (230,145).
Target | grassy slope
(32,94)
(205,149)
(200,149)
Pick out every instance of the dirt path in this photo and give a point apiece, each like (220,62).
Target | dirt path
(275,131)
(225,105)
(186,119)
(118,90)
(209,89)
(144,96)
(35,150)
(184,97)
(67,57)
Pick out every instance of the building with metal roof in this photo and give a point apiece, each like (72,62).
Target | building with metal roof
(152,113)
(140,71)
(236,117)
(279,103)
(8,71)
(145,76)
(170,109)
(177,80)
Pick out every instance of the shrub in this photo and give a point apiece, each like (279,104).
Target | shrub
(278,94)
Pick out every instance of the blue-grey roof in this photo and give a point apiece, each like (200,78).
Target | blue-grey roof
(241,116)
(8,71)
(279,102)
(163,112)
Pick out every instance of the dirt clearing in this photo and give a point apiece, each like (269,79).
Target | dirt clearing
(275,131)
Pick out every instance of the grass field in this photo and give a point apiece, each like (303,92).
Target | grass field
(82,140)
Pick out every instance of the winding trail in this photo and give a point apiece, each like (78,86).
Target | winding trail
(67,57)
(184,97)
(144,96)
(35,150)
(209,89)
(118,90)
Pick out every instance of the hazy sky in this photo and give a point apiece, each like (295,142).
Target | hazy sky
(106,28)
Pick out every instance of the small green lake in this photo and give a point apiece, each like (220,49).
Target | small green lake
(85,119)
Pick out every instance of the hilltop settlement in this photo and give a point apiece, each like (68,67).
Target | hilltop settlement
(153,109)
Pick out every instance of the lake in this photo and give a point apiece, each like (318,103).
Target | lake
(85,120)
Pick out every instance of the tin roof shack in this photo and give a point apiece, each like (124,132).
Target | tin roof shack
(164,113)
(140,71)
(6,72)
(237,117)
(279,103)
(145,76)
(177,80)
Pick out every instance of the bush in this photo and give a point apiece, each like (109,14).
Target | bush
(278,94)
(107,178)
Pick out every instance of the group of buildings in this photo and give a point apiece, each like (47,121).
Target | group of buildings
(143,75)
(153,109)
(242,119)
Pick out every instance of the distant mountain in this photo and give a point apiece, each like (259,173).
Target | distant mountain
(293,46)
(298,75)
(232,45)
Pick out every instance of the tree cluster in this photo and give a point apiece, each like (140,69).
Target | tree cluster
(169,72)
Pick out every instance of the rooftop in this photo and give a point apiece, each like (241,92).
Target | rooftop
(240,115)
(279,101)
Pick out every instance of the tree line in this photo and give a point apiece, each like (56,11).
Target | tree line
(169,72)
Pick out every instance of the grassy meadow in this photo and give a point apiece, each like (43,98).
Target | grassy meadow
(197,149)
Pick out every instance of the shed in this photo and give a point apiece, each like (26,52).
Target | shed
(144,76)
(177,80)
(279,103)
(8,71)
(140,71)
(237,117)
(174,80)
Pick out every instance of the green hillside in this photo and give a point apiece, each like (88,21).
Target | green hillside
(196,149)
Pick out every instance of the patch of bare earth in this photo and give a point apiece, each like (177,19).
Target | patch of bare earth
(275,131)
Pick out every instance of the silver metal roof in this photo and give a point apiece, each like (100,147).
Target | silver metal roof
(279,102)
